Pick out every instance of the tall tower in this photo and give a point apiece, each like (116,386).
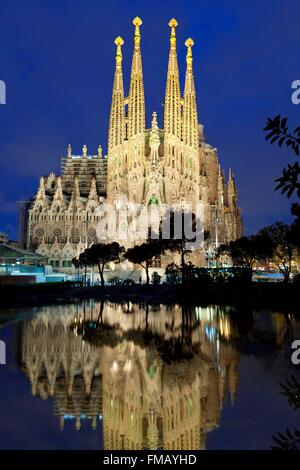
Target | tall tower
(135,156)
(136,102)
(190,131)
(116,133)
(172,107)
(172,122)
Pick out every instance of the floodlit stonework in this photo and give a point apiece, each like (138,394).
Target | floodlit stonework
(168,165)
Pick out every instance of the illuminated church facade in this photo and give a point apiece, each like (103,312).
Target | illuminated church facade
(168,165)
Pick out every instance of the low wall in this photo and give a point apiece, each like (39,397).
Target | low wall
(17,280)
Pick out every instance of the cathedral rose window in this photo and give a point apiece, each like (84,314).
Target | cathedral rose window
(39,233)
(57,232)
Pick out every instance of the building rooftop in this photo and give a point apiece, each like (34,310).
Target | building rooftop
(12,253)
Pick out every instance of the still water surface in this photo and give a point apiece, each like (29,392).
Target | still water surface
(108,376)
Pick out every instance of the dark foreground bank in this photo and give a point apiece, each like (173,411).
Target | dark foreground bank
(260,295)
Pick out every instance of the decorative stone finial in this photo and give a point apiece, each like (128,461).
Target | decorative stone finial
(42,183)
(119,43)
(69,151)
(137,21)
(84,151)
(99,151)
(137,35)
(173,25)
(189,56)
(154,120)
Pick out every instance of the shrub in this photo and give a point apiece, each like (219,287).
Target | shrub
(155,278)
(173,274)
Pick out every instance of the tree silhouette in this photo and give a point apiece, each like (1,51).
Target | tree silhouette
(77,266)
(282,244)
(145,254)
(246,250)
(99,255)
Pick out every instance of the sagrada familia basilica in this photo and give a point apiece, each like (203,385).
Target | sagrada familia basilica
(152,165)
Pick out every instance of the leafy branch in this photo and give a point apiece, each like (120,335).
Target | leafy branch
(278,131)
(288,441)
(288,182)
(291,389)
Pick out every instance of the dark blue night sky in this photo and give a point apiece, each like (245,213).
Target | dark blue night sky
(57,59)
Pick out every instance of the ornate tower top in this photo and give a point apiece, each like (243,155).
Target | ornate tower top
(137,35)
(173,25)
(154,120)
(69,151)
(154,136)
(189,56)
(119,43)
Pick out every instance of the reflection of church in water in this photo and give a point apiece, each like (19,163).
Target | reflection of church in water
(166,394)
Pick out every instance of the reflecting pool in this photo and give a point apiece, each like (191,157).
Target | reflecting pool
(98,375)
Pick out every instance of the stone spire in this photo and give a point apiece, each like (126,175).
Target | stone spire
(41,195)
(220,187)
(58,195)
(190,131)
(93,196)
(154,139)
(117,114)
(75,197)
(136,103)
(231,190)
(172,106)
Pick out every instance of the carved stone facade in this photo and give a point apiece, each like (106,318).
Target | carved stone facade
(161,166)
